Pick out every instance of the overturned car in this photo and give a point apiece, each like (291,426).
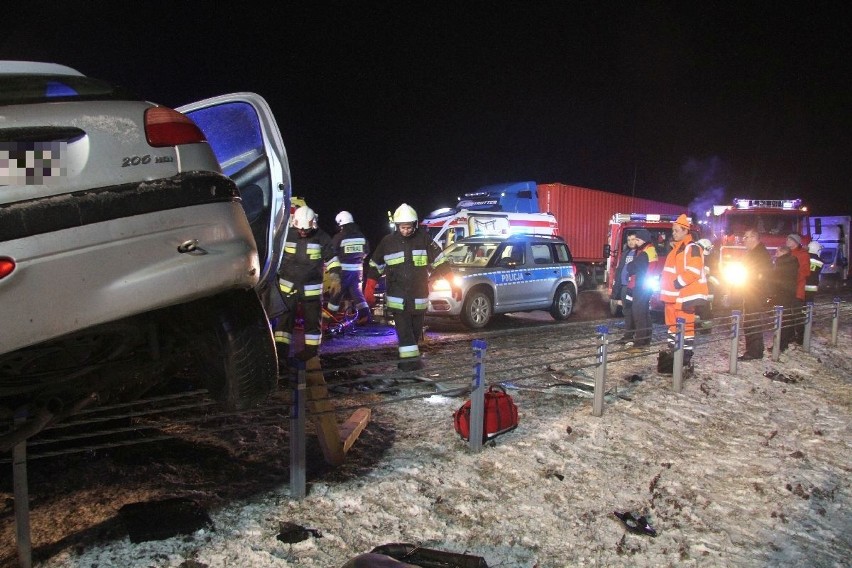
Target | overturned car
(132,235)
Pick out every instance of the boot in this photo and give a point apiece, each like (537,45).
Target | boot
(364,316)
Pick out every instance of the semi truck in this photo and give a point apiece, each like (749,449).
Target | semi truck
(833,234)
(581,215)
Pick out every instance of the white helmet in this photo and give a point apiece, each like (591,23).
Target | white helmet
(705,244)
(344,218)
(814,247)
(304,218)
(405,214)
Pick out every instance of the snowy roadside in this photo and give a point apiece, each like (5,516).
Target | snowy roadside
(737,470)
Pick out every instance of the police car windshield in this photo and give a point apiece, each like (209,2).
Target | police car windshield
(470,254)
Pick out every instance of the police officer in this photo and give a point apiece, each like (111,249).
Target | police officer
(308,253)
(352,249)
(405,258)
(639,291)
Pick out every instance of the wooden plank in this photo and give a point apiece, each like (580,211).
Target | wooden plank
(352,428)
(321,412)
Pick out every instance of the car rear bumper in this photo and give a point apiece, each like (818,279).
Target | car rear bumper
(101,269)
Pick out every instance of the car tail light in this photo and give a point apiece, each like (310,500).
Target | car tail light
(7,266)
(167,127)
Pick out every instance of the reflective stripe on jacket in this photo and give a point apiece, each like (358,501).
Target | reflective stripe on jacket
(683,280)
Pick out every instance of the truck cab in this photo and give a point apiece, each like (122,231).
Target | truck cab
(833,234)
(622,224)
(774,219)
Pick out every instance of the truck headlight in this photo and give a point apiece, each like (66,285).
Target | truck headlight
(735,273)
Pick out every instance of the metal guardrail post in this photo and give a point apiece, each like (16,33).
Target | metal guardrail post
(477,396)
(776,337)
(677,367)
(809,319)
(600,371)
(835,322)
(298,481)
(22,500)
(736,322)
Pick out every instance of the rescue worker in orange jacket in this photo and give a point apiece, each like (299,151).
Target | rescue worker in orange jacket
(683,284)
(308,252)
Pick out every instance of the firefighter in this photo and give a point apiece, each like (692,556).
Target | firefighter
(405,258)
(812,282)
(352,249)
(308,253)
(794,241)
(639,290)
(683,285)
(705,311)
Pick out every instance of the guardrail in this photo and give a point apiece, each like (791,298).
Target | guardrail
(729,328)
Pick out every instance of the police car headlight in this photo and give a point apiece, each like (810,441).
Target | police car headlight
(735,273)
(441,285)
(653,283)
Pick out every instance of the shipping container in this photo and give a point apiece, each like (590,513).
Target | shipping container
(583,216)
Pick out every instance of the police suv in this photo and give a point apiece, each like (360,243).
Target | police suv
(479,277)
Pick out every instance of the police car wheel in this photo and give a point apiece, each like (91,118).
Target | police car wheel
(563,303)
(477,310)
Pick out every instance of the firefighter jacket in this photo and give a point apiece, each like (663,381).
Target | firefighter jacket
(352,248)
(683,280)
(784,278)
(406,262)
(304,262)
(758,285)
(643,264)
(804,270)
(812,281)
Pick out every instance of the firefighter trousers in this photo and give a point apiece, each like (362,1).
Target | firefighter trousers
(311,312)
(409,330)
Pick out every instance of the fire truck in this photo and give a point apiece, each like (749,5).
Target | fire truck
(660,227)
(773,219)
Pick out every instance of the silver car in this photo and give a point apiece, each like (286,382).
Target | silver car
(479,277)
(130,235)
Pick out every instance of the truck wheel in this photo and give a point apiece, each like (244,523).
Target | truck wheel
(563,303)
(476,311)
(581,278)
(235,348)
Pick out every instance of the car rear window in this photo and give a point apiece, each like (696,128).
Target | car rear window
(18,89)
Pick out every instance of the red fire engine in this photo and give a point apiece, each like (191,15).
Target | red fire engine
(774,219)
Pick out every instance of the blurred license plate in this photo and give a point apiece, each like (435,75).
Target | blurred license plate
(32,163)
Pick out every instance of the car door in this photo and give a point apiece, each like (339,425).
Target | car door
(245,137)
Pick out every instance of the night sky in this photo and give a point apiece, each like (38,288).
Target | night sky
(380,103)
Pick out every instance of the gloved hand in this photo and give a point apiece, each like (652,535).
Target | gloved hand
(370,291)
(331,283)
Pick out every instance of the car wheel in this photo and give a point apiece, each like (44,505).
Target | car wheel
(235,348)
(476,311)
(563,303)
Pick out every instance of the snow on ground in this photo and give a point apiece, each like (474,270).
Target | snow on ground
(737,470)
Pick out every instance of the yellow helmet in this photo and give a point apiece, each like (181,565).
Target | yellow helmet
(405,214)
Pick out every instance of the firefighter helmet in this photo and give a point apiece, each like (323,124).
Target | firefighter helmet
(814,247)
(304,218)
(405,214)
(344,218)
(706,245)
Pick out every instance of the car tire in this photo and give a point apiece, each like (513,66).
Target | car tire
(235,348)
(563,303)
(477,310)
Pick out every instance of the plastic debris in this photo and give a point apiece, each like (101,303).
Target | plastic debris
(637,524)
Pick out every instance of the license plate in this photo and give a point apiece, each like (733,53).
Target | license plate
(32,163)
